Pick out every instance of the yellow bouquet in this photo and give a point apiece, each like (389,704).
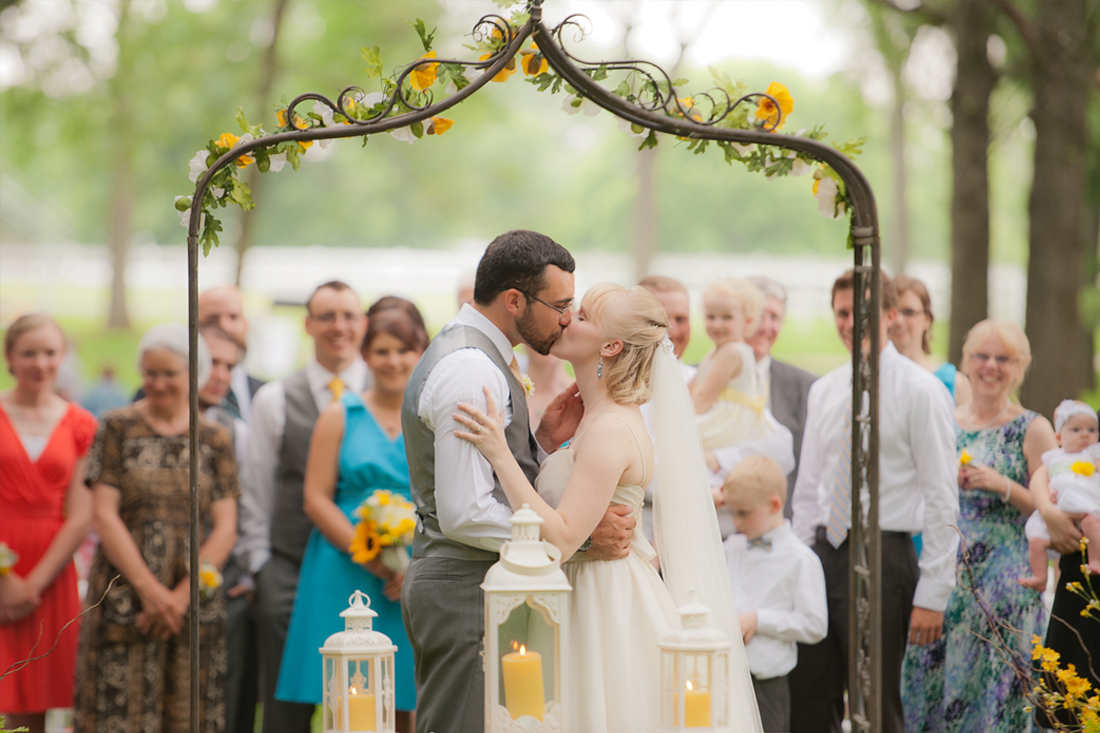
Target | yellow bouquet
(385,528)
(209,579)
(8,558)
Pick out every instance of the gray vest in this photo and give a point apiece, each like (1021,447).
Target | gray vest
(429,540)
(290,527)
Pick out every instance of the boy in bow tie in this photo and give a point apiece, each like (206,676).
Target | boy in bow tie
(778,584)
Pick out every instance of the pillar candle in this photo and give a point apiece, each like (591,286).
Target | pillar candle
(361,712)
(523,691)
(696,708)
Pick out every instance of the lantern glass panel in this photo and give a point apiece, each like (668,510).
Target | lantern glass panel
(528,643)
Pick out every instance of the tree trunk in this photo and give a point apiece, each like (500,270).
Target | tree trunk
(268,71)
(1058,241)
(974,81)
(898,242)
(645,218)
(122,188)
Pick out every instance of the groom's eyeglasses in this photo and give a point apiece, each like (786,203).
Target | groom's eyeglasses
(561,309)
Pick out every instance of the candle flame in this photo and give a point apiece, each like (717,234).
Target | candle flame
(515,645)
(688,685)
(522,650)
(352,691)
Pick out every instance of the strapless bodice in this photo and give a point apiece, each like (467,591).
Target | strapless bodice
(553,477)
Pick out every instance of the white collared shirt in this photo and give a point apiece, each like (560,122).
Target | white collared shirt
(467,510)
(785,586)
(917,464)
(259,475)
(238,383)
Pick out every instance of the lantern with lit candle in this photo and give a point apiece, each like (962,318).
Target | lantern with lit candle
(526,632)
(695,675)
(357,668)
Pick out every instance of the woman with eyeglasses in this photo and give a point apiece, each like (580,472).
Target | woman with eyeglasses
(912,336)
(960,683)
(134,661)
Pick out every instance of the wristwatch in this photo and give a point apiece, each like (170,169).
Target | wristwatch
(586,545)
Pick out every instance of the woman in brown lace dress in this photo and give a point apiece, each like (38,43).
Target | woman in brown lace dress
(134,660)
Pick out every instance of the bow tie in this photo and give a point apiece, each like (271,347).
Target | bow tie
(761,542)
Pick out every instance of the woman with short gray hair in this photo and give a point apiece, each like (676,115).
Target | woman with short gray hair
(133,662)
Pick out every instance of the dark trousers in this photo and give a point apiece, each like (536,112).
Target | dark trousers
(773,698)
(820,678)
(443,607)
(242,680)
(276,587)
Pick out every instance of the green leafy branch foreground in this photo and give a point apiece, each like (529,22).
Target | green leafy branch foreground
(414,85)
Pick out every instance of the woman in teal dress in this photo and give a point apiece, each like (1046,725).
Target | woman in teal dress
(961,683)
(356,449)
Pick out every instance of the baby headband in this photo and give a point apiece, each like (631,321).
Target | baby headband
(1069,408)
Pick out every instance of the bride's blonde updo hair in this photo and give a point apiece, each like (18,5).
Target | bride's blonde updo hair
(635,317)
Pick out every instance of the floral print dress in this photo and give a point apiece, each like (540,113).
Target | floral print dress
(128,682)
(961,683)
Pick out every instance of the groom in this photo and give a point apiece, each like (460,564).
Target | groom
(522,294)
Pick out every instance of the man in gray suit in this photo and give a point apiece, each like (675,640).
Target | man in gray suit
(523,294)
(786,387)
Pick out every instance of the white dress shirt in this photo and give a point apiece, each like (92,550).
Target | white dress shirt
(785,585)
(467,510)
(238,383)
(259,475)
(918,489)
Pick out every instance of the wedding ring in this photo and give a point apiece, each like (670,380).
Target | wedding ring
(478,428)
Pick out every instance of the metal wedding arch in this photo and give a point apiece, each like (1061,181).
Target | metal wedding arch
(664,114)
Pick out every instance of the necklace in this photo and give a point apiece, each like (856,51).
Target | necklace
(986,424)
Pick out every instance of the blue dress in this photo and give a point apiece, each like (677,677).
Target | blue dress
(369,460)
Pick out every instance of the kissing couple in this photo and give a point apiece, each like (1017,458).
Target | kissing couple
(473,461)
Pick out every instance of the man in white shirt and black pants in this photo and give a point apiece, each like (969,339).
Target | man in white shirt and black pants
(274,528)
(523,293)
(917,493)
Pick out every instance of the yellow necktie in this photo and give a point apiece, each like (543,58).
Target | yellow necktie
(514,366)
(336,386)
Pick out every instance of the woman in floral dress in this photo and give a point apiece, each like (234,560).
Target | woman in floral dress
(133,673)
(962,683)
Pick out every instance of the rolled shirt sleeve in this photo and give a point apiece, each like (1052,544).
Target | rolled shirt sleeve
(466,508)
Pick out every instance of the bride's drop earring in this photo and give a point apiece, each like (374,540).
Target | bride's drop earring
(599,369)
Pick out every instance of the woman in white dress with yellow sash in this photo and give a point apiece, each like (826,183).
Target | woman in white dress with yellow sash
(622,608)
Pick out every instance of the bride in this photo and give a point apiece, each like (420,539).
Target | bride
(621,608)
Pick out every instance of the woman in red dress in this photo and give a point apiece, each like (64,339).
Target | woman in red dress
(45,513)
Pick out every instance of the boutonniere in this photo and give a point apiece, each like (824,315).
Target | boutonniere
(8,558)
(528,385)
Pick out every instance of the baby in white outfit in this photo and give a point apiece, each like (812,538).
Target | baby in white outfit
(1074,484)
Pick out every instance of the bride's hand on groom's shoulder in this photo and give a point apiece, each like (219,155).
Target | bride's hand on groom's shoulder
(484,429)
(559,421)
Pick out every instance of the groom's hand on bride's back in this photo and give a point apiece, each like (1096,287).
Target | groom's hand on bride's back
(611,537)
(559,421)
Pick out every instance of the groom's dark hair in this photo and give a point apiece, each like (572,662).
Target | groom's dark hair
(518,259)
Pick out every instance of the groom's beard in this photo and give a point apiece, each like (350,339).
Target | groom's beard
(528,330)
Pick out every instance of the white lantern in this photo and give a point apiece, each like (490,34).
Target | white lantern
(695,675)
(357,668)
(526,633)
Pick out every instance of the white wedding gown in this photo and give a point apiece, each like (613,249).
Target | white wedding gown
(620,611)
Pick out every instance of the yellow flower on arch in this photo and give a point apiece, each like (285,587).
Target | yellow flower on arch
(227,140)
(423,76)
(439,125)
(503,74)
(244,161)
(533,64)
(299,123)
(766,110)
